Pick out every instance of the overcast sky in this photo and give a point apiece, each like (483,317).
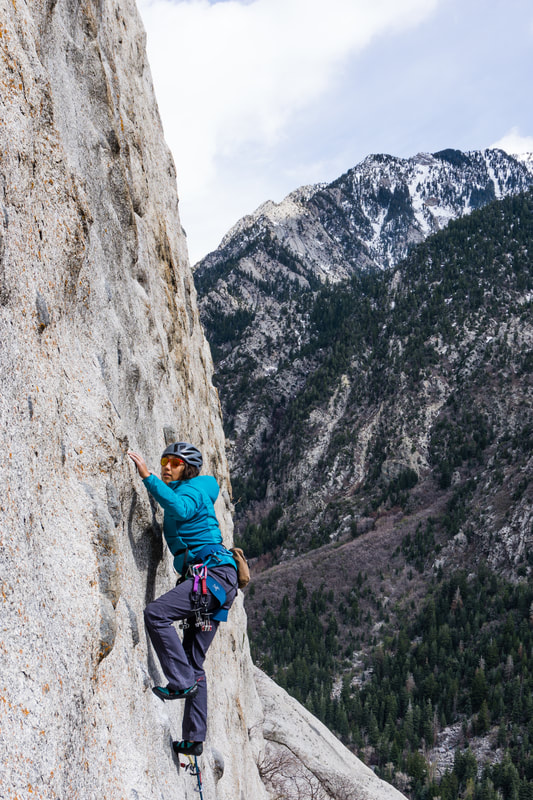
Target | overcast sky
(258,97)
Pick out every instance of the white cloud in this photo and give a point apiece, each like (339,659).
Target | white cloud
(514,143)
(230,76)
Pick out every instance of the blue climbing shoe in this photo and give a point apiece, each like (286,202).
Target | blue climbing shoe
(188,748)
(165,693)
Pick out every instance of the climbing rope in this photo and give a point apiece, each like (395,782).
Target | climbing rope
(194,770)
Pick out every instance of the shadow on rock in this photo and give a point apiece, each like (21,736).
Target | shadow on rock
(147,548)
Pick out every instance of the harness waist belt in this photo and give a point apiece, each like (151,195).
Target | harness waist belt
(206,551)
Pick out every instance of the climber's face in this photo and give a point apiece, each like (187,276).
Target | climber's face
(171,468)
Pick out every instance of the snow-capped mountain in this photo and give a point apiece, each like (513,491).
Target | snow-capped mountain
(250,288)
(258,291)
(370,217)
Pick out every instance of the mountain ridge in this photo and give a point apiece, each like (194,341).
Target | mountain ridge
(371,196)
(255,295)
(398,474)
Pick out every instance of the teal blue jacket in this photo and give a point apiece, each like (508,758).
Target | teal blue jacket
(190,520)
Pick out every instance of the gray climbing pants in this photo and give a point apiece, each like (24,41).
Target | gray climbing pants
(182,663)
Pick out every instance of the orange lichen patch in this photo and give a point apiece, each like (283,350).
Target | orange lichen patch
(26,712)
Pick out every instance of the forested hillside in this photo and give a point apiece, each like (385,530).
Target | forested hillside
(439,701)
(388,507)
(421,380)
(309,349)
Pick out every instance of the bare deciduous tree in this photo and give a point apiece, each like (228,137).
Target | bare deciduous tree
(287,778)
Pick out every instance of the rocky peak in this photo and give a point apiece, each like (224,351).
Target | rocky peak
(251,288)
(370,217)
(273,345)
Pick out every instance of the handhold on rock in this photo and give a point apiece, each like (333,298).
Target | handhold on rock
(43,315)
(218,763)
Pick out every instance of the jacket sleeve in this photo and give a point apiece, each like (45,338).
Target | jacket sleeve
(183,505)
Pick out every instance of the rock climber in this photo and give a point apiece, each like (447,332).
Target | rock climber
(204,592)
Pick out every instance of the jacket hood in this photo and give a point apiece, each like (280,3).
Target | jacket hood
(206,484)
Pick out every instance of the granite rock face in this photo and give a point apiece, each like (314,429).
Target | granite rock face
(101,350)
(302,754)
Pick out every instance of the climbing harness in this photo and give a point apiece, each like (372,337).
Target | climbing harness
(200,598)
(202,582)
(193,768)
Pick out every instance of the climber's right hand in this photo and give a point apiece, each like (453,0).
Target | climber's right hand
(140,463)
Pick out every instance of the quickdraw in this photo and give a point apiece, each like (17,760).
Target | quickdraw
(199,598)
(193,768)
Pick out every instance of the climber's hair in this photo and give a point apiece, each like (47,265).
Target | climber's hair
(189,472)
